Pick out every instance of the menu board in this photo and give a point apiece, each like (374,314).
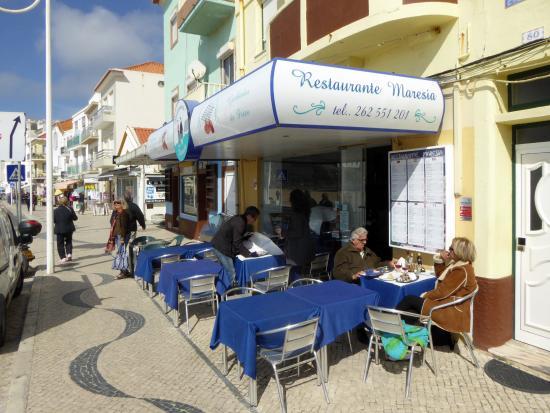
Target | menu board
(421,199)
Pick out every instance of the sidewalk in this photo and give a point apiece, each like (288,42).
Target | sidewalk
(93,344)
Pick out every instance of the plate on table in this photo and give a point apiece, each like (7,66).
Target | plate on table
(407,278)
(370,273)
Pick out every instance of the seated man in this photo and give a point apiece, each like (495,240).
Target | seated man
(352,259)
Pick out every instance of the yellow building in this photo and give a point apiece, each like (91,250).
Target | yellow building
(491,62)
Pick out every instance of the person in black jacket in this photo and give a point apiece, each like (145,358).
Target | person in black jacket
(134,214)
(228,241)
(63,219)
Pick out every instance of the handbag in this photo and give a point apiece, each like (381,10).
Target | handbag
(121,259)
(110,246)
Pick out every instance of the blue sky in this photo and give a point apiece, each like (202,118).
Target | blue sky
(88,37)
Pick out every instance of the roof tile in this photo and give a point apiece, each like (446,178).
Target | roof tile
(151,67)
(143,134)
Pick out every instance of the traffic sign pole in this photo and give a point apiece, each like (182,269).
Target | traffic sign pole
(50,268)
(18,191)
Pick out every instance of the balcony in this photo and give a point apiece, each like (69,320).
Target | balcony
(88,135)
(103,159)
(72,170)
(38,156)
(73,142)
(102,117)
(204,16)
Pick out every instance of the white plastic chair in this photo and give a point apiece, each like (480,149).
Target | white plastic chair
(386,320)
(276,279)
(299,340)
(202,289)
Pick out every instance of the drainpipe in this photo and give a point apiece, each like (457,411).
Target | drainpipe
(457,140)
(142,190)
(242,39)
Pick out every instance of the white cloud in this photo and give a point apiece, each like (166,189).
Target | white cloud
(101,39)
(16,87)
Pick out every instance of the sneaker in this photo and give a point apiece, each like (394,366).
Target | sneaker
(63,260)
(69,257)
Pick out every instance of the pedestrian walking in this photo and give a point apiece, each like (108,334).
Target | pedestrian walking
(81,200)
(119,231)
(134,216)
(63,219)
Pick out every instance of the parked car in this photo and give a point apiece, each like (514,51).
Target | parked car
(12,263)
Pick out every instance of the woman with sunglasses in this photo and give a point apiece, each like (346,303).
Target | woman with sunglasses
(455,278)
(119,225)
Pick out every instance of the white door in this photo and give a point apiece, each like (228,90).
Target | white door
(532,320)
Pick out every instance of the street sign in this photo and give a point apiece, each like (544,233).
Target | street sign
(11,173)
(12,136)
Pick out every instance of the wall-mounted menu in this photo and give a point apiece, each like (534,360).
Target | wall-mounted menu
(421,203)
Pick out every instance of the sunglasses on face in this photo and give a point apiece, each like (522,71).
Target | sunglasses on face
(116,203)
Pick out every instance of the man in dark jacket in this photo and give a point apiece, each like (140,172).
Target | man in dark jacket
(63,218)
(134,216)
(228,241)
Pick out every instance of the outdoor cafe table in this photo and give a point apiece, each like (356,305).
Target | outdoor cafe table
(176,273)
(239,321)
(391,292)
(245,268)
(145,259)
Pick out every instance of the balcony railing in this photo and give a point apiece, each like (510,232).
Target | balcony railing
(204,16)
(102,117)
(89,134)
(74,141)
(103,158)
(37,156)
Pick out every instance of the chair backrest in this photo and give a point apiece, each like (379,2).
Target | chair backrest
(240,292)
(319,264)
(278,277)
(206,254)
(304,281)
(153,246)
(169,258)
(385,320)
(200,284)
(177,240)
(142,240)
(300,336)
(460,300)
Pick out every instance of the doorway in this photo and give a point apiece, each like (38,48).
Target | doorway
(532,240)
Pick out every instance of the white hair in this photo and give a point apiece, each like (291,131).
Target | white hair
(357,232)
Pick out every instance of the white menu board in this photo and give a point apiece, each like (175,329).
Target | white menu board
(421,198)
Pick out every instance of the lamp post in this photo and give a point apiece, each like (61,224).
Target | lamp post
(49,148)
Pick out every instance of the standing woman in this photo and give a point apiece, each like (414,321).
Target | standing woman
(63,219)
(299,244)
(119,225)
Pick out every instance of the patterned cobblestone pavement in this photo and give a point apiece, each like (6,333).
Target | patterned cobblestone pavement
(102,345)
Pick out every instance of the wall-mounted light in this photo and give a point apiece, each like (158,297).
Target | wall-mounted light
(160,83)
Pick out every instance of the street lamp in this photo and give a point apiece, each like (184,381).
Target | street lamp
(49,148)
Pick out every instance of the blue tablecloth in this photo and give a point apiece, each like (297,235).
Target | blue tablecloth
(238,321)
(245,268)
(391,294)
(144,264)
(175,273)
(342,307)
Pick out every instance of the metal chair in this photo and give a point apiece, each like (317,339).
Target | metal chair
(202,289)
(153,245)
(466,336)
(206,254)
(136,246)
(235,294)
(304,281)
(386,320)
(276,279)
(299,340)
(177,240)
(319,266)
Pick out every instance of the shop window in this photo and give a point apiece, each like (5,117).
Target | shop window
(533,92)
(173,30)
(188,194)
(535,177)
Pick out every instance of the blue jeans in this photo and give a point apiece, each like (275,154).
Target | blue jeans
(227,264)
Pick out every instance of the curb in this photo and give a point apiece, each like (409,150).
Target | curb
(22,366)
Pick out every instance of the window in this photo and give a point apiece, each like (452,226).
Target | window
(188,191)
(267,10)
(173,30)
(529,94)
(228,70)
(175,98)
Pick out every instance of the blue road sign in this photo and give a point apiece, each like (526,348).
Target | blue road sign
(11,173)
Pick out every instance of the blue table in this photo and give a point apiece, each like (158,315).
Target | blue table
(175,273)
(245,268)
(342,307)
(392,293)
(238,321)
(144,266)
